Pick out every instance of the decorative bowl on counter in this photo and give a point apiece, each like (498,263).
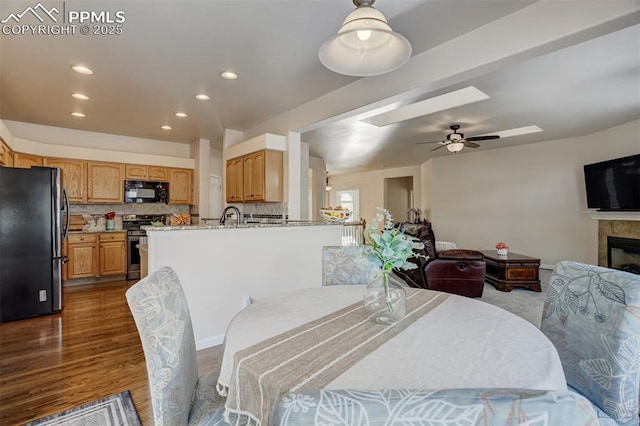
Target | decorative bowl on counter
(335,215)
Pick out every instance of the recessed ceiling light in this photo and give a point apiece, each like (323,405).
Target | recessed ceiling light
(229,75)
(80,96)
(166,127)
(81,69)
(78,114)
(180,114)
(202,97)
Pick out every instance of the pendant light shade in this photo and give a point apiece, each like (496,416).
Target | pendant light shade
(365,44)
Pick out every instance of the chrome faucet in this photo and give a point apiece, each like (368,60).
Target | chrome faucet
(223,218)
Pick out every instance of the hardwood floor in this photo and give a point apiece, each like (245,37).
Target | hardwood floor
(89,351)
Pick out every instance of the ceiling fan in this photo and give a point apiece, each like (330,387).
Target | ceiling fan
(456,141)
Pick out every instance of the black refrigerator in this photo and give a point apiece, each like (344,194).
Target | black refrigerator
(31,234)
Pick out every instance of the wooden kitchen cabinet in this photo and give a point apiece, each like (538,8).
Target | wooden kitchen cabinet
(74,177)
(256,177)
(135,172)
(262,176)
(6,155)
(158,174)
(113,253)
(105,183)
(152,173)
(26,161)
(234,180)
(180,186)
(82,250)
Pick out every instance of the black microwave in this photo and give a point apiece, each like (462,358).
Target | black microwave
(137,191)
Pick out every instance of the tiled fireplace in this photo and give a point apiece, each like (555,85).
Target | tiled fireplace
(619,243)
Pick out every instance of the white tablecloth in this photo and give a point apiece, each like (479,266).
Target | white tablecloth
(462,343)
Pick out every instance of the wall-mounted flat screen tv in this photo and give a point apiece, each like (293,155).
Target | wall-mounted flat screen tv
(613,184)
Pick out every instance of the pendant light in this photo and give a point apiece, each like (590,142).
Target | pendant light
(365,44)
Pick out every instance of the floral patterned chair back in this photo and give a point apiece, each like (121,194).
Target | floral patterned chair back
(592,315)
(346,265)
(161,314)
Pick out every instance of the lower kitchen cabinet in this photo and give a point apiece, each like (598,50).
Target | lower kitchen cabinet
(93,255)
(113,254)
(82,250)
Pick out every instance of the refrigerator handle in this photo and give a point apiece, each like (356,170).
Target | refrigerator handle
(66,203)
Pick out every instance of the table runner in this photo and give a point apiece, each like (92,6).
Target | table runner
(312,355)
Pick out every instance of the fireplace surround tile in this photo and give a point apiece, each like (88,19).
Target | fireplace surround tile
(614,228)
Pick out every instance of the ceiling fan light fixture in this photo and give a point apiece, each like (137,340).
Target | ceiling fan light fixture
(455,146)
(365,44)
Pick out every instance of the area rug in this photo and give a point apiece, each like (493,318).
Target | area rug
(114,410)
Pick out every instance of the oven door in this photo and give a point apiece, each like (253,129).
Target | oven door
(133,254)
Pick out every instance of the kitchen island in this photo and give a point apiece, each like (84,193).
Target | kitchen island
(223,267)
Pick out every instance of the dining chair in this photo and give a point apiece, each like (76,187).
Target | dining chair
(161,314)
(592,316)
(346,265)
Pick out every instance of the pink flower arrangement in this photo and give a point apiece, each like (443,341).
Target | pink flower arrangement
(501,245)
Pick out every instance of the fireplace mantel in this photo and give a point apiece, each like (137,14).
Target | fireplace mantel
(613,215)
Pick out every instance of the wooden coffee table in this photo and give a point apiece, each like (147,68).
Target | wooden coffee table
(512,270)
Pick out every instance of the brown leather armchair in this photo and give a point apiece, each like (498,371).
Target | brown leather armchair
(458,271)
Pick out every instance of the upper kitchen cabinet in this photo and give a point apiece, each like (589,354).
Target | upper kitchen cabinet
(180,186)
(234,180)
(105,183)
(74,177)
(6,155)
(26,161)
(152,173)
(262,176)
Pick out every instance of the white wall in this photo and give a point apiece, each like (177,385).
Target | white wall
(530,196)
(215,159)
(218,268)
(371,186)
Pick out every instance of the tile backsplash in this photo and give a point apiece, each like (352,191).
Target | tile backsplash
(131,208)
(262,208)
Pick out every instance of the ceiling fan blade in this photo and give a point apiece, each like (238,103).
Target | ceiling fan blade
(468,144)
(483,138)
(438,147)
(420,143)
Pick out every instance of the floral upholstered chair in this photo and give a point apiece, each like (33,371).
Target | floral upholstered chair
(471,407)
(592,316)
(347,265)
(178,397)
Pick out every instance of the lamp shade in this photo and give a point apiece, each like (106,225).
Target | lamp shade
(455,146)
(365,45)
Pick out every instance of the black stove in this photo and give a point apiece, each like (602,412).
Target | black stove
(132,223)
(135,221)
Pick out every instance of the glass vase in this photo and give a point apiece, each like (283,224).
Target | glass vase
(385,301)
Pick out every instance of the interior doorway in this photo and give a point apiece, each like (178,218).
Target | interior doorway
(215,196)
(398,197)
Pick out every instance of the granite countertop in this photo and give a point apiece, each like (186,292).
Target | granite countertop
(96,231)
(290,224)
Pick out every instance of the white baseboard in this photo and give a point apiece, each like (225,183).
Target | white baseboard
(548,267)
(209,342)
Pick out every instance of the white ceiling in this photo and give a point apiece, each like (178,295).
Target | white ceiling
(170,50)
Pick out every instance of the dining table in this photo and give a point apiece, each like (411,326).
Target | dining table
(321,338)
